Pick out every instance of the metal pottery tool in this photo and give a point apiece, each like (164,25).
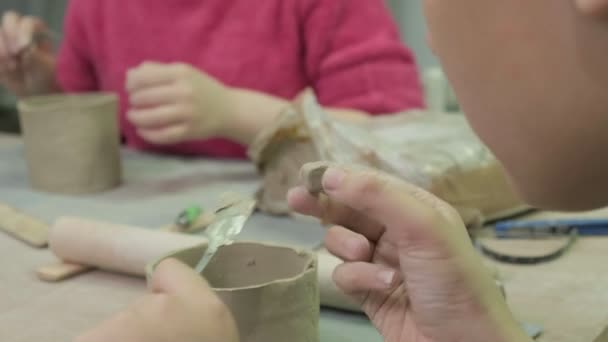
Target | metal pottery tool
(229,223)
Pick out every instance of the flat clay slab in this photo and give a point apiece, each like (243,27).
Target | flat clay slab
(71,142)
(272,291)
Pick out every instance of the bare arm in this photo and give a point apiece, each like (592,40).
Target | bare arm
(255,110)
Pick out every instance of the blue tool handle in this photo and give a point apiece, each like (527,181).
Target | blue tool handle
(586,227)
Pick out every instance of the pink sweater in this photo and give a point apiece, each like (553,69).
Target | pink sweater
(348,51)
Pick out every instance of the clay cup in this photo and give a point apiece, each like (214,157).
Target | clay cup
(72,143)
(272,291)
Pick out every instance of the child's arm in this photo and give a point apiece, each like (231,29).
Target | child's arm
(353,58)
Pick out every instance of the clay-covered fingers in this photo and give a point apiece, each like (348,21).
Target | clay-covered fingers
(405,211)
(327,209)
(9,29)
(355,278)
(28,26)
(18,31)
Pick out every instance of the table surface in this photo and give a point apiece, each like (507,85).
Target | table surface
(567,297)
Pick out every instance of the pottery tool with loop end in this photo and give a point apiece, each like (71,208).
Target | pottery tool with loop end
(229,222)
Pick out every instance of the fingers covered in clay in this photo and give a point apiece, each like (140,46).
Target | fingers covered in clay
(303,202)
(371,196)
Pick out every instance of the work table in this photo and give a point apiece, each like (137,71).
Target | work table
(568,297)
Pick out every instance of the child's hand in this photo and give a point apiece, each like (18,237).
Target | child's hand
(409,261)
(20,57)
(180,307)
(171,103)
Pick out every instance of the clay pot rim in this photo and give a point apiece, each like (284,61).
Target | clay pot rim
(308,267)
(59,101)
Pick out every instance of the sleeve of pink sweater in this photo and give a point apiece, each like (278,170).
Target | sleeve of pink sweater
(355,58)
(75,71)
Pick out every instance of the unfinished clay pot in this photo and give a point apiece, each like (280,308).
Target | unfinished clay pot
(71,142)
(271,291)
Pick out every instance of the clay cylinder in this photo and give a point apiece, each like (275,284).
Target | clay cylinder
(71,142)
(271,291)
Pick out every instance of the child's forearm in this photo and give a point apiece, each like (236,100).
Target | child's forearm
(254,110)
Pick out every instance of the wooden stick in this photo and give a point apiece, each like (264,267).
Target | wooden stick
(23,227)
(61,270)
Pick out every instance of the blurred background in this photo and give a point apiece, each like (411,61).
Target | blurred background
(408,14)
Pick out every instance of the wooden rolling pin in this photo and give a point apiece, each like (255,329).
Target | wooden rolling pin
(85,244)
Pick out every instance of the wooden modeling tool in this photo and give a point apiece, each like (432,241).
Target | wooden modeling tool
(23,227)
(229,223)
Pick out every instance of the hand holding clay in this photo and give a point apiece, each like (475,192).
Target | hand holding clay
(21,55)
(408,260)
(181,307)
(171,103)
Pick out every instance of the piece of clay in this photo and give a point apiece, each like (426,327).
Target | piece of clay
(71,142)
(272,291)
(23,227)
(312,176)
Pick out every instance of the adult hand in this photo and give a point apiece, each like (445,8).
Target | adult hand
(181,307)
(21,58)
(171,103)
(408,260)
